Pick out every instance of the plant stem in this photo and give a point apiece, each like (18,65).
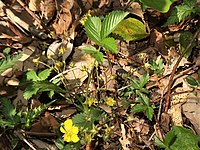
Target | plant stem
(171,79)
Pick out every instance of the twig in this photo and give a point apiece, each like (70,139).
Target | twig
(167,98)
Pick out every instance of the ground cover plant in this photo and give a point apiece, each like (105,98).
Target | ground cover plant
(85,74)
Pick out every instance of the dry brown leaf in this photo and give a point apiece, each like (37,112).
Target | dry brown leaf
(171,61)
(124,139)
(140,126)
(107,75)
(43,145)
(62,22)
(80,60)
(67,5)
(136,9)
(165,121)
(175,110)
(157,40)
(47,8)
(34,5)
(45,124)
(192,112)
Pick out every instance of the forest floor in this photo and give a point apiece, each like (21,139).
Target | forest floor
(55,95)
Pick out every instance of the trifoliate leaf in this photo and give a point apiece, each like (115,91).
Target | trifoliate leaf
(93,28)
(110,44)
(8,62)
(184,136)
(182,11)
(44,74)
(31,75)
(111,21)
(93,51)
(159,5)
(131,29)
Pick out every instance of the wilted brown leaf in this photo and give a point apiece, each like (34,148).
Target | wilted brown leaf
(47,8)
(157,40)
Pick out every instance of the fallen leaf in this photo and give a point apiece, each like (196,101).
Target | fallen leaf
(47,8)
(78,74)
(157,40)
(124,139)
(34,5)
(140,126)
(192,112)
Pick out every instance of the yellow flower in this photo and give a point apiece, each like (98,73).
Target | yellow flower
(90,101)
(110,101)
(58,64)
(62,50)
(36,61)
(70,131)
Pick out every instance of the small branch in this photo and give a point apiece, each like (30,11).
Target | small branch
(167,98)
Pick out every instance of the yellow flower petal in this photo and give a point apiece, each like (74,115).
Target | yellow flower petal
(68,124)
(75,138)
(62,130)
(67,138)
(110,101)
(74,130)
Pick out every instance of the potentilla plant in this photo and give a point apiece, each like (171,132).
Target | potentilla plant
(98,31)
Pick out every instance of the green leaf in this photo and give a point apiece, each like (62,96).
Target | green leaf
(184,136)
(93,28)
(159,142)
(191,81)
(40,86)
(149,112)
(30,91)
(159,5)
(135,84)
(185,39)
(79,119)
(31,115)
(111,21)
(199,78)
(138,108)
(144,79)
(144,98)
(44,74)
(6,123)
(131,29)
(110,44)
(95,114)
(182,11)
(8,62)
(47,86)
(31,75)
(170,137)
(93,51)
(8,109)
